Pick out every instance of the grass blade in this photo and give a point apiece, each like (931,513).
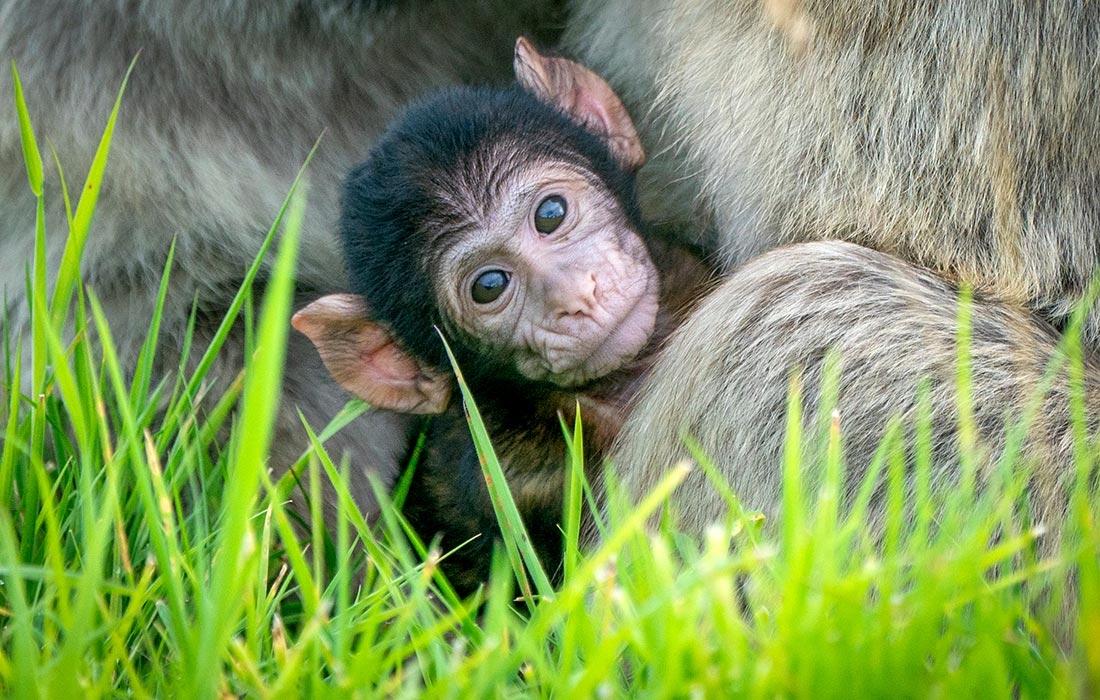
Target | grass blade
(263,381)
(69,272)
(521,552)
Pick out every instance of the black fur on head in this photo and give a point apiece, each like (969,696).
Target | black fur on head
(437,169)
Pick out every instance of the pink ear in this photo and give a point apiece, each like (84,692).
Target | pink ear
(583,95)
(364,358)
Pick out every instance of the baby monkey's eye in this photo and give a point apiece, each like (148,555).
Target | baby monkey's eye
(489,286)
(550,213)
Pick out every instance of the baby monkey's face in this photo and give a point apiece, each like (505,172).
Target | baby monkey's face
(552,280)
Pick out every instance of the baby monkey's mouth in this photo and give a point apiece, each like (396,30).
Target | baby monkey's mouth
(621,341)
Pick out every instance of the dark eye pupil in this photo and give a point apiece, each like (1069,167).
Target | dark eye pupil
(489,286)
(550,213)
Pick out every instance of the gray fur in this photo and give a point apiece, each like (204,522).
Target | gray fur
(224,104)
(962,136)
(725,375)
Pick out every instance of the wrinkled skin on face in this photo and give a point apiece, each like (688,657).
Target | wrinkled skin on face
(578,301)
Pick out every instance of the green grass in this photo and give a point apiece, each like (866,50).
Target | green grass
(141,557)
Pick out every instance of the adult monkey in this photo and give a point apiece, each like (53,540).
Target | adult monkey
(225,102)
(960,136)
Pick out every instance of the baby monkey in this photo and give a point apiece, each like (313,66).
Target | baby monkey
(507,218)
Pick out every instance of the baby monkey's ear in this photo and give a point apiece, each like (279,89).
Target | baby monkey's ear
(584,96)
(364,357)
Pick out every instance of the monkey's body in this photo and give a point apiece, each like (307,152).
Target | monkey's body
(960,136)
(894,326)
(225,102)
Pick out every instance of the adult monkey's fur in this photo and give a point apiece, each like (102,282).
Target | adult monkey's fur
(894,327)
(224,104)
(961,136)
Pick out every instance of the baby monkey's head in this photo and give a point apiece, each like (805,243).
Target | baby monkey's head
(508,219)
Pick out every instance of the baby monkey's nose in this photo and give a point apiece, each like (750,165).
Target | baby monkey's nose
(574,295)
